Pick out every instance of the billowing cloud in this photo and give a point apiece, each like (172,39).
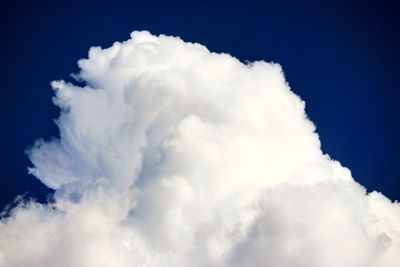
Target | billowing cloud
(172,155)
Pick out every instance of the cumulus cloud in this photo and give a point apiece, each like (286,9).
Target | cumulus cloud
(172,155)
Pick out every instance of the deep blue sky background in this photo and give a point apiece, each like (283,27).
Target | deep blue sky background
(341,57)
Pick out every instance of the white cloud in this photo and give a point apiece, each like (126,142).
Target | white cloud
(176,156)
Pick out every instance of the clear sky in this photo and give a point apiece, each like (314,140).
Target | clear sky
(341,57)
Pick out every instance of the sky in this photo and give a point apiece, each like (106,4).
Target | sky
(341,57)
(200,135)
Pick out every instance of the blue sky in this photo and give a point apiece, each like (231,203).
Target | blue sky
(340,57)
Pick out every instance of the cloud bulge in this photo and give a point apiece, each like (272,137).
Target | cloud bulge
(172,155)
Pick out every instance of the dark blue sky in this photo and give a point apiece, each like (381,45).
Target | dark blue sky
(342,58)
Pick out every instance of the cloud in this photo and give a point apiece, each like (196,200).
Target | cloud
(172,155)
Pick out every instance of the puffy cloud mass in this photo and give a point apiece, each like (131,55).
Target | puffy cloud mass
(172,155)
